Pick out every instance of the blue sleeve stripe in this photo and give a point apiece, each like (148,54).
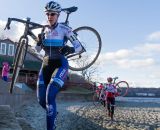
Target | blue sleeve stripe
(51,42)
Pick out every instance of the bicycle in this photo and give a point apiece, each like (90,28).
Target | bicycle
(122,90)
(99,98)
(77,61)
(122,87)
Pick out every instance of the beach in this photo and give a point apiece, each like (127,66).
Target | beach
(137,114)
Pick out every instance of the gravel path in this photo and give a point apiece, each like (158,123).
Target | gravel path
(85,116)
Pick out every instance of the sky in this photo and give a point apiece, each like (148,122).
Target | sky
(129,29)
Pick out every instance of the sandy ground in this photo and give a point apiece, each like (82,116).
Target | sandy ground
(130,114)
(77,115)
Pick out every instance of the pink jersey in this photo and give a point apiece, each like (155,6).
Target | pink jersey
(5,69)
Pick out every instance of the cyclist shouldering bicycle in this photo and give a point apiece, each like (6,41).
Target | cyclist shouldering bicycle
(54,69)
(111,93)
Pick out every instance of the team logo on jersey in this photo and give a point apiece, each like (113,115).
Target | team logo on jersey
(54,33)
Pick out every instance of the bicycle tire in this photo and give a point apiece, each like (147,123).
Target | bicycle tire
(122,88)
(93,48)
(20,56)
(17,50)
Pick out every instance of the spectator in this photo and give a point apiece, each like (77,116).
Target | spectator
(5,71)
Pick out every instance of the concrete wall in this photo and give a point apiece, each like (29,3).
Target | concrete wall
(15,99)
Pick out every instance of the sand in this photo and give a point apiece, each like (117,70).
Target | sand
(78,115)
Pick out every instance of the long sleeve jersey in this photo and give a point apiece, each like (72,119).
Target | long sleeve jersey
(54,39)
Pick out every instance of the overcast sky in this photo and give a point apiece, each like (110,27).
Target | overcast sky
(130,32)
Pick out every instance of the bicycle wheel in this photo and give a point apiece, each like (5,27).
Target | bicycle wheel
(91,41)
(20,56)
(17,50)
(122,88)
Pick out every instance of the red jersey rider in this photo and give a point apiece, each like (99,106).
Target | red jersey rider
(99,89)
(111,92)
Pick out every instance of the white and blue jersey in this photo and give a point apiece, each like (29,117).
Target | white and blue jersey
(54,39)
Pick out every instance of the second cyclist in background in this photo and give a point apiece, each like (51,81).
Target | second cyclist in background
(54,69)
(111,92)
(101,93)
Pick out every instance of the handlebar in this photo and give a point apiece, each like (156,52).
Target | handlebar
(27,21)
(8,24)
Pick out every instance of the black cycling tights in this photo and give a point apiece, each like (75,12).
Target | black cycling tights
(110,104)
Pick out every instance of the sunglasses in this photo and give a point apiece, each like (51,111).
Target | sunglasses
(51,14)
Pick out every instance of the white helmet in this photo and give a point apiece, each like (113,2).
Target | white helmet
(53,7)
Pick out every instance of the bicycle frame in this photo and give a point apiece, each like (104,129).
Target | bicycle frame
(22,46)
(114,80)
(29,26)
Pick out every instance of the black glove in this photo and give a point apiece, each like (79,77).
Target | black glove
(66,50)
(40,39)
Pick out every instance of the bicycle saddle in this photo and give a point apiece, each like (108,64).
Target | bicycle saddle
(70,10)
